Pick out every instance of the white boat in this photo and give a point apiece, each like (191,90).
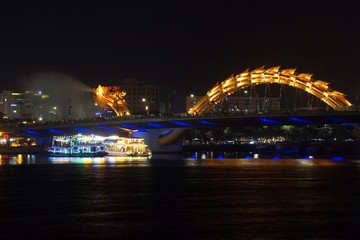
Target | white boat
(126,147)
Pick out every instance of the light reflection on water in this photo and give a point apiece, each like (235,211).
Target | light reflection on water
(26,159)
(102,161)
(195,159)
(192,198)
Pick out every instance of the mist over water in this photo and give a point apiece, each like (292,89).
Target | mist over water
(71,97)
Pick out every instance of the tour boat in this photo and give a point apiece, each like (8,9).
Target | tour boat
(126,147)
(78,151)
(77,146)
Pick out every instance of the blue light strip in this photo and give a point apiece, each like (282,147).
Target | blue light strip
(55,131)
(338,158)
(156,125)
(299,120)
(206,122)
(83,130)
(32,132)
(182,124)
(271,121)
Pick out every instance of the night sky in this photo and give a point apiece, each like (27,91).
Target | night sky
(184,46)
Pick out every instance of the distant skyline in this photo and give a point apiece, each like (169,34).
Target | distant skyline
(183,46)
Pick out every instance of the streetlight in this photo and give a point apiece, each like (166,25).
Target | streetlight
(146,106)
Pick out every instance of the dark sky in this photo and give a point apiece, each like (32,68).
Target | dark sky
(185,46)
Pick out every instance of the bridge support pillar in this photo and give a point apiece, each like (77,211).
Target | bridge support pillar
(163,140)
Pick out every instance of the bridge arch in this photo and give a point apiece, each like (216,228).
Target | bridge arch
(303,81)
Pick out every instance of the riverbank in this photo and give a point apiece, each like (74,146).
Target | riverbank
(22,150)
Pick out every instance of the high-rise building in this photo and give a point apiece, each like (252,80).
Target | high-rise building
(141,98)
(25,105)
(5,103)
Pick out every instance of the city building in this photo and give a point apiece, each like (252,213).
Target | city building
(26,105)
(141,98)
(240,103)
(191,100)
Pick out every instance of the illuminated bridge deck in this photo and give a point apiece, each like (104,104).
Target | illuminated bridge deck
(145,124)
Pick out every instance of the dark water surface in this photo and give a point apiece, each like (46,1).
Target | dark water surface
(175,197)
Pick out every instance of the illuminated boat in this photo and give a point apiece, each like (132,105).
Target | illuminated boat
(77,146)
(78,151)
(126,147)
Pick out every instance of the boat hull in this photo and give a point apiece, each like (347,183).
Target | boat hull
(117,153)
(100,154)
(124,154)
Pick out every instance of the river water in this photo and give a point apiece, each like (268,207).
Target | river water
(193,196)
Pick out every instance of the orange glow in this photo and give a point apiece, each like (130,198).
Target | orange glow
(111,97)
(319,89)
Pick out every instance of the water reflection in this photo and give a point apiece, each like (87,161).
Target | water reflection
(12,159)
(27,159)
(100,161)
(188,160)
(263,162)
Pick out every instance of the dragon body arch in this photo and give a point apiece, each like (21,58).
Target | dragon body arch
(303,81)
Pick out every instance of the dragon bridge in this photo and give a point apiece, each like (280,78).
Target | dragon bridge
(111,97)
(303,81)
